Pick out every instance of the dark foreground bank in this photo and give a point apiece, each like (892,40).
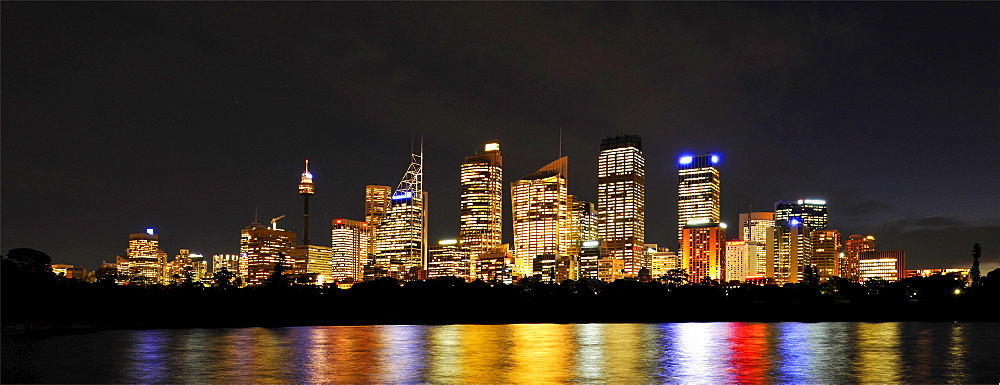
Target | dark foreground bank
(62,307)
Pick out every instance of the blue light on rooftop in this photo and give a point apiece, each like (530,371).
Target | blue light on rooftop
(686,159)
(715,159)
(794,221)
(403,195)
(149,231)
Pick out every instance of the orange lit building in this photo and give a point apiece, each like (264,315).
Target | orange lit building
(349,242)
(850,266)
(887,265)
(703,250)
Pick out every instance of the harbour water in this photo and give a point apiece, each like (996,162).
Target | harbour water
(689,353)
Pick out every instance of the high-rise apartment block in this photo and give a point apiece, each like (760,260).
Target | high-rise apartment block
(540,205)
(887,265)
(621,201)
(377,198)
(229,261)
(312,264)
(758,227)
(697,190)
(146,262)
(401,239)
(703,250)
(264,248)
(481,206)
(349,242)
(811,212)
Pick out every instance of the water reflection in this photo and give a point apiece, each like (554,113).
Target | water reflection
(745,353)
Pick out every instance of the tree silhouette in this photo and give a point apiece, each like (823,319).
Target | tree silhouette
(977,252)
(223,278)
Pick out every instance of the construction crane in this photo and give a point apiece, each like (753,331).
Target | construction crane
(274,222)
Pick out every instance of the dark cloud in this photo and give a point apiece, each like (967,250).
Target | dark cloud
(922,224)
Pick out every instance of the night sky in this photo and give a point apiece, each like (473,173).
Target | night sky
(185,117)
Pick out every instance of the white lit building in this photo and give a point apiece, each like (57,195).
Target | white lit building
(541,215)
(621,201)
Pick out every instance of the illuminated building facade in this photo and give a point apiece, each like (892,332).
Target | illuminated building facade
(792,250)
(582,225)
(264,248)
(146,262)
(377,198)
(703,250)
(827,249)
(850,267)
(567,267)
(610,269)
(541,215)
(312,264)
(481,205)
(887,265)
(590,252)
(231,262)
(758,227)
(495,266)
(661,260)
(449,258)
(401,239)
(349,241)
(960,274)
(812,212)
(621,201)
(697,190)
(741,260)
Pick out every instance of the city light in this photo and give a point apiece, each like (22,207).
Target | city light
(403,195)
(149,231)
(686,159)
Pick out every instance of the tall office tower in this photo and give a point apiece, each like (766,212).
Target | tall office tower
(826,251)
(540,204)
(697,190)
(449,258)
(349,241)
(812,212)
(887,265)
(264,248)
(377,198)
(703,250)
(741,260)
(792,251)
(481,202)
(401,239)
(312,264)
(146,262)
(582,224)
(621,201)
(758,227)
(306,189)
(850,267)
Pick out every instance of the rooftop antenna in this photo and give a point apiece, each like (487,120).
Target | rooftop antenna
(560,141)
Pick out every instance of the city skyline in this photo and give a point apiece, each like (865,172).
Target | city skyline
(105,135)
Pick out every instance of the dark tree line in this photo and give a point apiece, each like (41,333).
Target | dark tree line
(32,295)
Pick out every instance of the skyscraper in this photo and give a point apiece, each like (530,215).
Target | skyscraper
(377,198)
(264,248)
(621,201)
(703,250)
(826,250)
(582,224)
(697,189)
(481,202)
(541,215)
(741,260)
(812,212)
(792,250)
(449,258)
(758,227)
(850,267)
(401,239)
(146,262)
(349,242)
